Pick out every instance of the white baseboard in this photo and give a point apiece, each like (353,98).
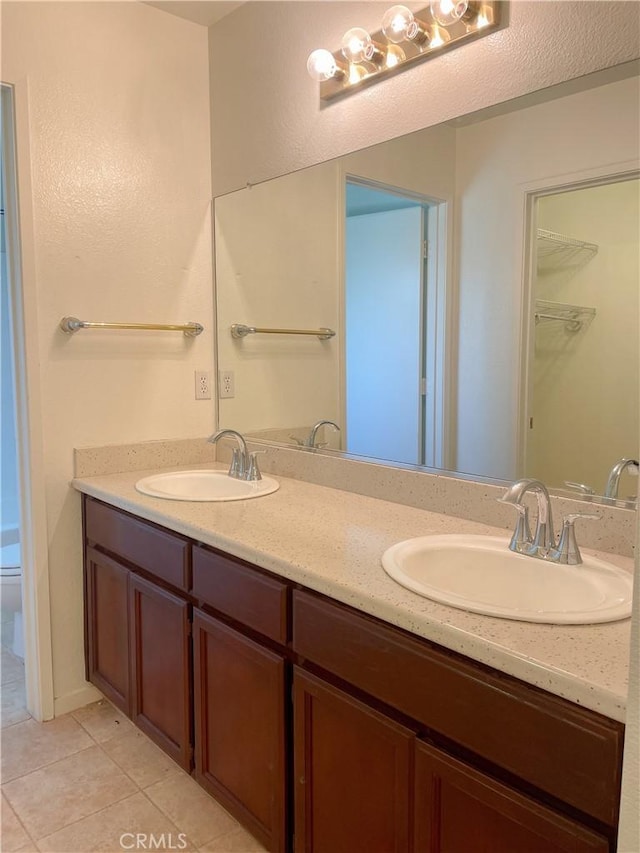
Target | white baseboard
(75,700)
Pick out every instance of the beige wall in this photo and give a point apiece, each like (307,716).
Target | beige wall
(267,118)
(120,161)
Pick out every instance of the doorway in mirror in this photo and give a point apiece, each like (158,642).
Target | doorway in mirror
(583,380)
(391,362)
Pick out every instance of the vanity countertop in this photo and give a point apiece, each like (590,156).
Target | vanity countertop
(332,541)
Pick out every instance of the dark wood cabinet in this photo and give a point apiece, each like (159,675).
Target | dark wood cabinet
(107,627)
(352,772)
(526,736)
(461,810)
(324,730)
(160,667)
(240,698)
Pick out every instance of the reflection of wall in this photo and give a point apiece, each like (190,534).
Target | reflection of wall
(496,160)
(277,267)
(421,163)
(118,105)
(278,264)
(586,384)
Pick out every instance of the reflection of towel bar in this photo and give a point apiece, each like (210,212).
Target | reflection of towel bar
(240,331)
(72,324)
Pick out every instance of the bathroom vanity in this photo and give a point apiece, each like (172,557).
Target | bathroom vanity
(288,692)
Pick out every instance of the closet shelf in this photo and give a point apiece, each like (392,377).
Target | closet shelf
(557,251)
(574,317)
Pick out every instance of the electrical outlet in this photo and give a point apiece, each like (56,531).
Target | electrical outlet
(226,384)
(203,385)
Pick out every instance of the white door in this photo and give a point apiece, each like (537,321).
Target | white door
(384,330)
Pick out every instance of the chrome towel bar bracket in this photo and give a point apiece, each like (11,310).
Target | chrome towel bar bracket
(72,324)
(238,330)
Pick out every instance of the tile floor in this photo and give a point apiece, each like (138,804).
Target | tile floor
(90,781)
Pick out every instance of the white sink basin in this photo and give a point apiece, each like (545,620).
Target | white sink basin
(480,574)
(204,486)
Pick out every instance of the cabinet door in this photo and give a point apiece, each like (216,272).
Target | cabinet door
(352,770)
(161,683)
(240,746)
(460,810)
(106,627)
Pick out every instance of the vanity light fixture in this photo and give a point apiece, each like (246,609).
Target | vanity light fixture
(404,38)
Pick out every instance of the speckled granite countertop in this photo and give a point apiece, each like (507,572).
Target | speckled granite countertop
(332,541)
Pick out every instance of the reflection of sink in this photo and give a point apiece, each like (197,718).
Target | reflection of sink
(480,574)
(204,486)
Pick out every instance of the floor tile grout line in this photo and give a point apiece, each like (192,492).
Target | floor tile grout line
(213,837)
(6,782)
(143,791)
(139,789)
(121,768)
(17,722)
(94,738)
(20,821)
(84,817)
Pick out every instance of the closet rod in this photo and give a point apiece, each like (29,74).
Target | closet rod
(72,324)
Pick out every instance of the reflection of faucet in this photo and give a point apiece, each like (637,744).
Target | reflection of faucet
(310,441)
(580,487)
(543,544)
(521,541)
(244,465)
(616,472)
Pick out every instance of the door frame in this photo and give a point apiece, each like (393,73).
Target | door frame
(437,312)
(36,601)
(530,193)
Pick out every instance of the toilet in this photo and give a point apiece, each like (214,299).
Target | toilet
(11,593)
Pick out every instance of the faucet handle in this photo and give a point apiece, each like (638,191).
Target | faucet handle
(253,471)
(522,540)
(567,552)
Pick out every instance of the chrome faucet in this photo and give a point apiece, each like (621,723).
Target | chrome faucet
(616,472)
(244,465)
(311,438)
(544,540)
(543,544)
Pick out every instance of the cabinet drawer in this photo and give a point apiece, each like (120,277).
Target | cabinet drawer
(240,592)
(164,555)
(569,752)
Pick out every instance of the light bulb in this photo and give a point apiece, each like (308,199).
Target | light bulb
(396,23)
(322,65)
(448,12)
(357,45)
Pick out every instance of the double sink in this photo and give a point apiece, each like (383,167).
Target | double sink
(474,573)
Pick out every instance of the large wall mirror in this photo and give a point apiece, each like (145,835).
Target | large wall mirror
(464,298)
